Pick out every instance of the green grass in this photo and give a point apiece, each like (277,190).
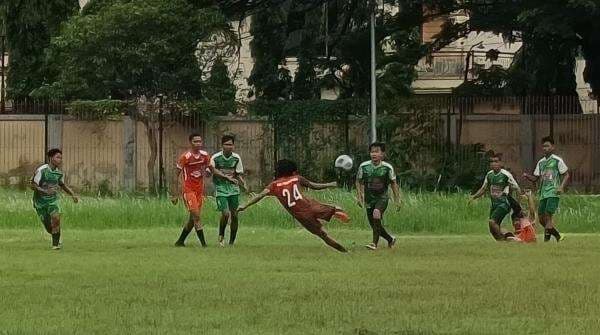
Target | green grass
(421,213)
(278,281)
(118,273)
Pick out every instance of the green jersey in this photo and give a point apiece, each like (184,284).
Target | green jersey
(230,166)
(377,179)
(499,185)
(549,170)
(47,178)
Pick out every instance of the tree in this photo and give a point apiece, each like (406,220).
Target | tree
(29,26)
(135,50)
(268,28)
(219,87)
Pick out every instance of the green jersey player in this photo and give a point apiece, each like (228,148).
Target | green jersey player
(499,183)
(227,192)
(45,183)
(552,175)
(373,179)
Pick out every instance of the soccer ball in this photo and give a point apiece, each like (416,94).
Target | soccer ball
(344,162)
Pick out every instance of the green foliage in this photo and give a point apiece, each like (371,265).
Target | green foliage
(219,86)
(29,26)
(553,33)
(133,48)
(99,109)
(268,29)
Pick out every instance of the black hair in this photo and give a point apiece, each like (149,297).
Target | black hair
(227,138)
(379,145)
(52,152)
(192,135)
(285,168)
(548,139)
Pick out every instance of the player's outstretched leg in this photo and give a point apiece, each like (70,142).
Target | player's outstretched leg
(225,215)
(187,229)
(234,227)
(330,241)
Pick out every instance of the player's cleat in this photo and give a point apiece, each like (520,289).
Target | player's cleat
(371,246)
(179,244)
(562,238)
(56,247)
(222,244)
(392,243)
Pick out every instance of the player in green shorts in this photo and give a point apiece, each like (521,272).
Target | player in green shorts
(499,182)
(45,183)
(552,175)
(373,179)
(227,192)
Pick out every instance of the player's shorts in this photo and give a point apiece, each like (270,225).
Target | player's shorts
(46,210)
(193,200)
(311,217)
(380,203)
(226,204)
(548,206)
(527,234)
(498,212)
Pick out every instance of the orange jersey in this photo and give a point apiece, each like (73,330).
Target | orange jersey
(525,230)
(193,166)
(307,211)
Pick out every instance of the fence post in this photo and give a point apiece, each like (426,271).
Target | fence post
(527,149)
(161,170)
(129,152)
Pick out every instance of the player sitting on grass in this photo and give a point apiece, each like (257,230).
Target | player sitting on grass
(523,221)
(499,182)
(311,214)
(227,193)
(45,183)
(373,179)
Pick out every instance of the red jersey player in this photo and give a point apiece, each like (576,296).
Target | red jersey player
(311,214)
(523,223)
(192,165)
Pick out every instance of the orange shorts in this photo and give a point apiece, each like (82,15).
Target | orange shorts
(193,200)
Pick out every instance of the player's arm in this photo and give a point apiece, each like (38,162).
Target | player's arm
(254,200)
(396,192)
(35,184)
(317,186)
(68,191)
(218,173)
(242,182)
(175,185)
(514,186)
(532,207)
(565,176)
(536,174)
(360,192)
(481,190)
(565,179)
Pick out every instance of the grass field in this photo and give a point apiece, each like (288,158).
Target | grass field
(445,277)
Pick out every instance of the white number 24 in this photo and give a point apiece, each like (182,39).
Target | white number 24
(296,194)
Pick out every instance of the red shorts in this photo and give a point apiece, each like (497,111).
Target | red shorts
(310,217)
(193,200)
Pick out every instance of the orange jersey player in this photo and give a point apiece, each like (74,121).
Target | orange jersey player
(310,213)
(192,167)
(524,223)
